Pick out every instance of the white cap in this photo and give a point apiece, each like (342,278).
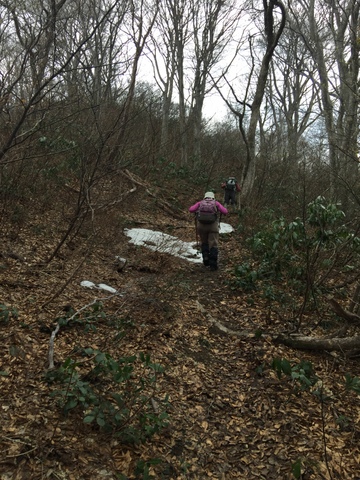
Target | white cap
(209,195)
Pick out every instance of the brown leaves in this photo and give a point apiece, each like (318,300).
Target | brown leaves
(230,416)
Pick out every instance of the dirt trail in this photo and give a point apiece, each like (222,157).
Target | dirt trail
(230,416)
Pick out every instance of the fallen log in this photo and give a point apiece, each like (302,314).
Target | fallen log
(346,344)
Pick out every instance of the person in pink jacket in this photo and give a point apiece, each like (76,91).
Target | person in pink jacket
(207,224)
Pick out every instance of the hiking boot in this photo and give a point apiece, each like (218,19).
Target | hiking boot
(205,254)
(213,257)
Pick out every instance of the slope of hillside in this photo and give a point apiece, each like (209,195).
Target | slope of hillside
(229,415)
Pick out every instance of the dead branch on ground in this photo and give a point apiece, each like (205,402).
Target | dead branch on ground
(166,206)
(55,332)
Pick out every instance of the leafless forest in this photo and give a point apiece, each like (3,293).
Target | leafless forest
(104,126)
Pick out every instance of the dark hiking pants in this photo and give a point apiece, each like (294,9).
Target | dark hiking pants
(209,236)
(230,197)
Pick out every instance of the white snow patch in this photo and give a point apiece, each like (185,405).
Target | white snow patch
(103,286)
(99,286)
(225,228)
(87,284)
(164,243)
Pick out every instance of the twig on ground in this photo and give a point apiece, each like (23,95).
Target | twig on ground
(54,332)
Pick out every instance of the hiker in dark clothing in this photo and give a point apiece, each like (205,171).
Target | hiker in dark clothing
(207,225)
(230,187)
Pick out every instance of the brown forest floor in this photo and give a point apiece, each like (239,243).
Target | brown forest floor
(228,418)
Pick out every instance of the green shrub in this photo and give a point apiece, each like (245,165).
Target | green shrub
(114,395)
(247,277)
(296,469)
(352,383)
(301,258)
(301,373)
(6,313)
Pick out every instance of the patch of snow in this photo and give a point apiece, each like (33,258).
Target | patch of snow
(99,286)
(87,284)
(225,228)
(164,243)
(103,286)
(120,259)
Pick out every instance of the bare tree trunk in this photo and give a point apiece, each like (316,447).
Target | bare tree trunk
(335,49)
(179,17)
(140,34)
(319,57)
(292,94)
(272,38)
(213,27)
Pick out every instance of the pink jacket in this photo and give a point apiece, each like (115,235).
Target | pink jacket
(221,209)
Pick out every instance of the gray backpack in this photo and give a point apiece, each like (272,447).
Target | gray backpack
(231,184)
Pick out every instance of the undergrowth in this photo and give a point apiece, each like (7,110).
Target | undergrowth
(117,396)
(293,264)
